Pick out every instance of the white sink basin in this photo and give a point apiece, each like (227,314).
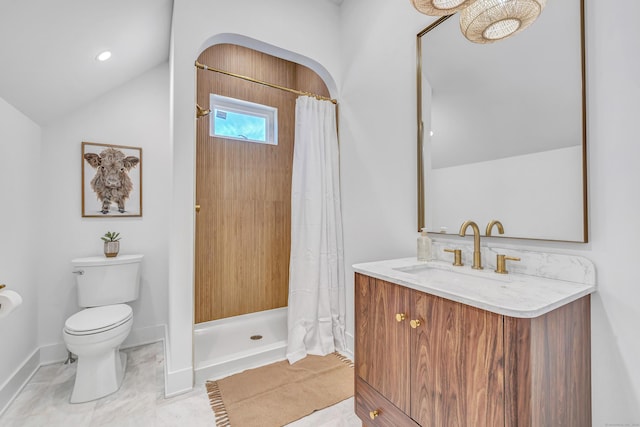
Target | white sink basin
(435,271)
(510,294)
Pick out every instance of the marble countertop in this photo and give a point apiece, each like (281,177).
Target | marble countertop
(513,294)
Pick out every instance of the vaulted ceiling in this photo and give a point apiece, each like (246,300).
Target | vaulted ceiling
(48,50)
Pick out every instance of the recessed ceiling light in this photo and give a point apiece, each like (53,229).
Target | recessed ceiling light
(104,56)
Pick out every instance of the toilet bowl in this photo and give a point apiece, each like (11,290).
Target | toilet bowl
(95,333)
(95,336)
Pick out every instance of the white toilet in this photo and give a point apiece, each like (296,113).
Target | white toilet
(96,333)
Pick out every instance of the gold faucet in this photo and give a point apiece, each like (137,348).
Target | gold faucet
(490,226)
(477,260)
(501,261)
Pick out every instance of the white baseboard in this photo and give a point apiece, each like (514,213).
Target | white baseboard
(53,353)
(175,382)
(10,389)
(178,382)
(57,352)
(350,343)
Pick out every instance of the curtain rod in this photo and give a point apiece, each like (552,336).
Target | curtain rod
(298,92)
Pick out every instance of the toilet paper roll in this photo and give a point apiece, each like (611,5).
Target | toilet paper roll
(9,300)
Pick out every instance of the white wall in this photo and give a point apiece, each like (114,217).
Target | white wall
(378,133)
(613,41)
(20,171)
(135,114)
(379,172)
(308,29)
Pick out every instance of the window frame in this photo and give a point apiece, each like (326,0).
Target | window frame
(240,106)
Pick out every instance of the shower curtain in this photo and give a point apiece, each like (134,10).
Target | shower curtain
(316,311)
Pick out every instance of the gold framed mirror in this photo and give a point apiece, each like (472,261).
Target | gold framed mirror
(502,128)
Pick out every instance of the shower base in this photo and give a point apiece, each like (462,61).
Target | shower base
(227,346)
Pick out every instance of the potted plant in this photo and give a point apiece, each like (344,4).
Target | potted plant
(111,244)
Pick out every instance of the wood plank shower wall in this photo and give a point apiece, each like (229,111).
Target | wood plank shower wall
(243,229)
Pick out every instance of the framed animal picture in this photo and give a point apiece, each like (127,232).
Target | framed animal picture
(111,180)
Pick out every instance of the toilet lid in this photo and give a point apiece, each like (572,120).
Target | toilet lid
(98,319)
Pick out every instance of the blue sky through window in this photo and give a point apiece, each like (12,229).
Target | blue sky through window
(238,125)
(243,120)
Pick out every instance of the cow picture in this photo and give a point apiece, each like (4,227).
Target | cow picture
(111,180)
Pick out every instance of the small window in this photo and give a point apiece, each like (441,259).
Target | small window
(242,120)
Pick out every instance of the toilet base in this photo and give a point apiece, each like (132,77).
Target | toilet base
(98,375)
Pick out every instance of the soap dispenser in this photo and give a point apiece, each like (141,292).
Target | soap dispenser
(425,252)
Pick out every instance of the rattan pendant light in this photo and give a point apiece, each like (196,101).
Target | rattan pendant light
(487,21)
(440,7)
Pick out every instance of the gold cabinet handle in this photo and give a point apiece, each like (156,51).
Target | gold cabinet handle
(197,208)
(400,317)
(2,286)
(415,323)
(374,414)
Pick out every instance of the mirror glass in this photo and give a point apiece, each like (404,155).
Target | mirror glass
(501,128)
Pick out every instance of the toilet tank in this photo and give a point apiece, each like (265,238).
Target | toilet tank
(104,281)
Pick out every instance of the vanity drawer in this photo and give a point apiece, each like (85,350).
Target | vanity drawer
(368,400)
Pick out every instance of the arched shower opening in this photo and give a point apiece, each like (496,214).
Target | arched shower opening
(243,189)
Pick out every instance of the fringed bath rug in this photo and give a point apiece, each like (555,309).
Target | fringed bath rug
(280,393)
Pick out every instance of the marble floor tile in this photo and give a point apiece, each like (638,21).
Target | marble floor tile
(191,410)
(64,420)
(52,374)
(140,402)
(34,399)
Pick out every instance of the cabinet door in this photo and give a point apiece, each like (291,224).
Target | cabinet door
(382,343)
(457,364)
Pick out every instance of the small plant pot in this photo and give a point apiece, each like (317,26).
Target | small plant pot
(111,249)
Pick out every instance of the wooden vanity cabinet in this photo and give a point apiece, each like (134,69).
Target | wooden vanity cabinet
(463,366)
(383,346)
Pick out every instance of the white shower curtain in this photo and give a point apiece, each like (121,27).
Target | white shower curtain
(316,309)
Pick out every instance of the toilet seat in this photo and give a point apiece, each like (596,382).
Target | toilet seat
(96,320)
